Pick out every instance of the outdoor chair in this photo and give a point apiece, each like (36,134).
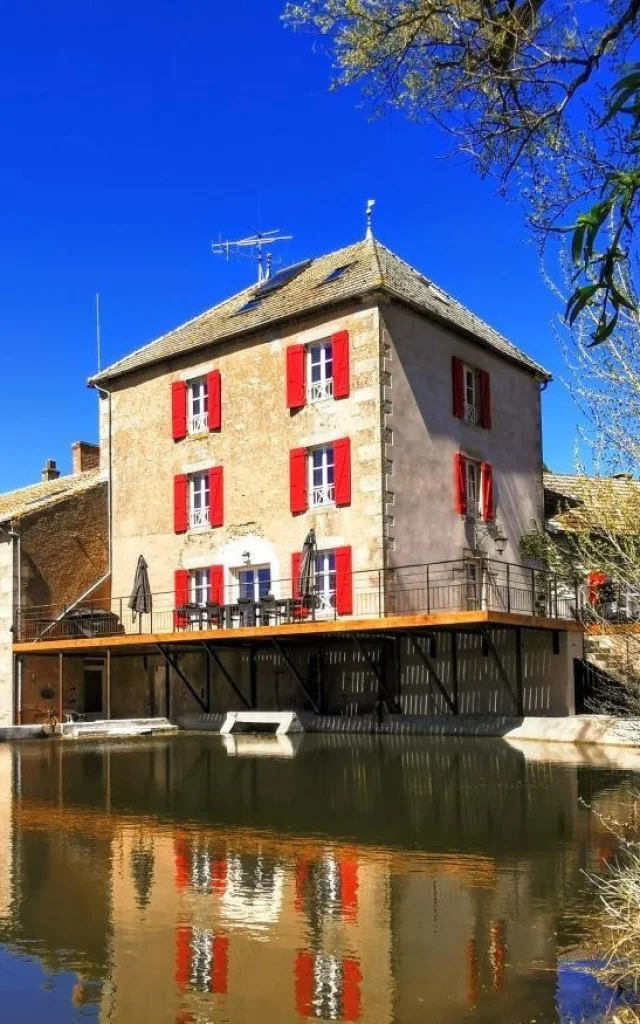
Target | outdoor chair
(268,610)
(247,611)
(214,614)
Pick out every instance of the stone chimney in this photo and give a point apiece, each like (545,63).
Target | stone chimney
(86,456)
(50,471)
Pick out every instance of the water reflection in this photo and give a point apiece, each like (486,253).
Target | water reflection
(367,879)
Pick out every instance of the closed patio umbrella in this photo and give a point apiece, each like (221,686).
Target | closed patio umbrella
(307,575)
(140,600)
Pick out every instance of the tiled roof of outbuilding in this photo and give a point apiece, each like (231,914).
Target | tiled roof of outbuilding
(15,504)
(370,267)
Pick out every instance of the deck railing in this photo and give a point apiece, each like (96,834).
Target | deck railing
(404,590)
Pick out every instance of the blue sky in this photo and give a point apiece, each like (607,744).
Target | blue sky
(134,134)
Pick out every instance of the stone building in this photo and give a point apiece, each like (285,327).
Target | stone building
(53,555)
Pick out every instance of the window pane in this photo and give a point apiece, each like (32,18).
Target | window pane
(264,581)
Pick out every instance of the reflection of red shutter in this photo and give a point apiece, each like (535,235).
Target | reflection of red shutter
(181,862)
(216,496)
(460,483)
(214,400)
(340,357)
(304,984)
(302,874)
(342,458)
(179,410)
(219,876)
(298,479)
(181,580)
(486,476)
(183,957)
(344,581)
(180,517)
(457,371)
(295,376)
(351,979)
(485,400)
(296,561)
(220,965)
(216,584)
(349,889)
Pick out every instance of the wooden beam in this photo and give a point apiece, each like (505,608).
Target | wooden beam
(346,626)
(213,655)
(433,672)
(501,672)
(378,674)
(180,674)
(296,675)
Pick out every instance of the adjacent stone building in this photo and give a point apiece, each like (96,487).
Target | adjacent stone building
(53,555)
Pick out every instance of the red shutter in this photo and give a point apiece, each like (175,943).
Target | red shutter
(216,584)
(216,496)
(342,459)
(485,400)
(179,410)
(460,483)
(457,377)
(214,399)
(298,479)
(181,591)
(295,376)
(596,581)
(180,511)
(340,357)
(488,510)
(344,581)
(296,561)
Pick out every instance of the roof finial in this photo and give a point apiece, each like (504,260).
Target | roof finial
(370,205)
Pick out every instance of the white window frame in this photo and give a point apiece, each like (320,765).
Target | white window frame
(320,355)
(325,582)
(199,511)
(198,420)
(199,586)
(237,573)
(322,485)
(473,486)
(471,394)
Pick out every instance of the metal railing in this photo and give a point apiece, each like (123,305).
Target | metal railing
(320,390)
(198,422)
(199,517)
(461,585)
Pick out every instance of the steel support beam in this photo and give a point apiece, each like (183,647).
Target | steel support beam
(377,673)
(180,674)
(501,670)
(432,672)
(519,672)
(213,655)
(294,672)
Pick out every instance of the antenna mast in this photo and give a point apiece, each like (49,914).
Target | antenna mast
(252,248)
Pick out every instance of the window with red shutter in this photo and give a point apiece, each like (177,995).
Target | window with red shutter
(214,399)
(344,581)
(457,379)
(341,374)
(179,410)
(298,479)
(342,456)
(216,496)
(485,400)
(460,483)
(488,509)
(295,376)
(216,584)
(180,508)
(181,597)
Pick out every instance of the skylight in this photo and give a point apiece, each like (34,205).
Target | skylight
(254,301)
(336,273)
(281,278)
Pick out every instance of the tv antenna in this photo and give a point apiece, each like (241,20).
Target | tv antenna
(252,248)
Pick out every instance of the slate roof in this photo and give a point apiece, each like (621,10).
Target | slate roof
(370,267)
(15,504)
(613,500)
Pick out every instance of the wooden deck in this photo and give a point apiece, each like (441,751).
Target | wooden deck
(134,643)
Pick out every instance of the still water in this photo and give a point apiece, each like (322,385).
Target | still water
(371,879)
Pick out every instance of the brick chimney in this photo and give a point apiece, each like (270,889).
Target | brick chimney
(50,471)
(86,456)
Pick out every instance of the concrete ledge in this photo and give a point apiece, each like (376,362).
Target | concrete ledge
(281,721)
(118,728)
(11,733)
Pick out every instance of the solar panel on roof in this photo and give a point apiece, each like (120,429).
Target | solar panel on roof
(251,304)
(335,274)
(282,277)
